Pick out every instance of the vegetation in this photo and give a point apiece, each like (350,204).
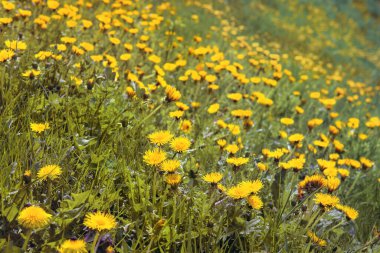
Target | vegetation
(189,126)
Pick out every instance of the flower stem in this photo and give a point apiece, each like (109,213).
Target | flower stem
(26,241)
(95,243)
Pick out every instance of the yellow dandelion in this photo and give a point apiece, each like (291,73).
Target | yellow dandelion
(49,172)
(326,200)
(316,239)
(99,221)
(160,137)
(73,246)
(170,165)
(350,212)
(252,186)
(39,127)
(33,217)
(180,144)
(255,202)
(173,179)
(213,177)
(238,192)
(154,157)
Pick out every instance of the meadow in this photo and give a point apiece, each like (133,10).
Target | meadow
(189,126)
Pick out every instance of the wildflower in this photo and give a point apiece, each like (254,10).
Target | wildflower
(49,172)
(262,166)
(332,183)
(33,217)
(176,114)
(180,144)
(295,138)
(173,179)
(154,157)
(172,94)
(213,177)
(232,148)
(213,108)
(287,121)
(31,73)
(316,239)
(160,137)
(73,246)
(170,165)
(99,221)
(326,200)
(15,45)
(350,212)
(185,126)
(238,192)
(237,161)
(252,186)
(255,202)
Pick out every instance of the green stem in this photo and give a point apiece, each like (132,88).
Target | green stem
(27,237)
(94,243)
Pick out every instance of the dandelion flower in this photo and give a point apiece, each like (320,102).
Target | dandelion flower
(326,200)
(238,192)
(49,171)
(350,212)
(73,246)
(39,127)
(180,144)
(160,137)
(33,217)
(213,177)
(255,202)
(173,179)
(99,221)
(170,165)
(252,186)
(316,239)
(154,157)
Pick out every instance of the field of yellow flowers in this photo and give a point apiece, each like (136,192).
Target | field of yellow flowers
(189,126)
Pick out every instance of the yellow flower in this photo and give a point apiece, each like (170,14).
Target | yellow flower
(255,202)
(33,217)
(31,73)
(15,45)
(154,58)
(125,57)
(213,108)
(160,137)
(154,157)
(332,183)
(316,239)
(173,179)
(287,121)
(237,161)
(99,221)
(238,192)
(172,94)
(350,212)
(52,4)
(262,166)
(252,186)
(185,126)
(73,246)
(49,171)
(213,177)
(170,165)
(180,144)
(326,200)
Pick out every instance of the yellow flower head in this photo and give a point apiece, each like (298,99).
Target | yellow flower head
(154,157)
(170,165)
(252,186)
(160,137)
(39,127)
(100,221)
(255,202)
(73,246)
(350,212)
(326,200)
(49,172)
(33,217)
(238,192)
(180,144)
(213,177)
(173,179)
